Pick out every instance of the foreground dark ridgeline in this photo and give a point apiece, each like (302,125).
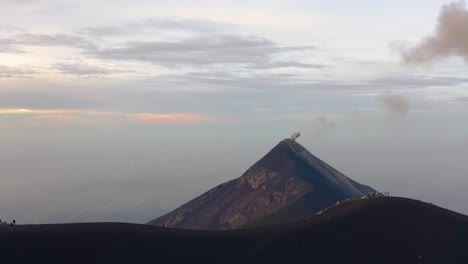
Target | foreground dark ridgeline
(288,176)
(378,230)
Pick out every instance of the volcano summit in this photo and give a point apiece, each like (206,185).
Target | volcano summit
(287,184)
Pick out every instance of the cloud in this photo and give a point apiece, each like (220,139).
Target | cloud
(416,81)
(9,72)
(82,69)
(176,118)
(10,28)
(395,105)
(15,45)
(28,39)
(322,126)
(253,80)
(207,43)
(9,46)
(157,25)
(26,111)
(227,93)
(206,50)
(285,64)
(59,117)
(88,116)
(20,2)
(449,39)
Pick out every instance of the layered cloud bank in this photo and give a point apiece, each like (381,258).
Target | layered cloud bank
(39,117)
(223,66)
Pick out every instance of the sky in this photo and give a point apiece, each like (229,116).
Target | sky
(122,110)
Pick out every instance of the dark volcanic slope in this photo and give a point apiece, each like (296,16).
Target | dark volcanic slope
(287,174)
(379,230)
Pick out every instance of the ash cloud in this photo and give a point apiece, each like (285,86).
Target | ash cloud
(322,126)
(395,105)
(295,135)
(449,39)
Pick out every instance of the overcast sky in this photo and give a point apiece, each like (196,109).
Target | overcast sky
(166,99)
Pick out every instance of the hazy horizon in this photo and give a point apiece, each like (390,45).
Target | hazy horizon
(124,110)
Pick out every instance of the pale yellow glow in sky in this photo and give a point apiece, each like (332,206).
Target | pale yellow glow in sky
(7,111)
(86,116)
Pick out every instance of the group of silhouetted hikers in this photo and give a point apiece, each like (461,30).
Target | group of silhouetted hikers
(12,224)
(378,194)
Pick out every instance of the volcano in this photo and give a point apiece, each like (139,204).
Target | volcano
(287,184)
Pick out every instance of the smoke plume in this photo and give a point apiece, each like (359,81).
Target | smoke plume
(295,135)
(450,37)
(322,126)
(395,105)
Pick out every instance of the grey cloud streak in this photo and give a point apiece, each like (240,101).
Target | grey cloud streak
(10,28)
(8,45)
(223,93)
(224,81)
(285,64)
(450,37)
(16,44)
(54,40)
(78,68)
(417,81)
(152,25)
(273,81)
(9,72)
(207,50)
(213,43)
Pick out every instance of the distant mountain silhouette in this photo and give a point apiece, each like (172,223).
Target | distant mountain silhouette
(376,230)
(288,176)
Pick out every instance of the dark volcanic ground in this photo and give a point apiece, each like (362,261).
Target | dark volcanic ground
(379,230)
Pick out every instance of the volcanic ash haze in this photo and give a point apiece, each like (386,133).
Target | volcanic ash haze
(449,39)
